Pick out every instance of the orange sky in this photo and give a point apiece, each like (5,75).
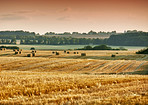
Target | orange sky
(73,15)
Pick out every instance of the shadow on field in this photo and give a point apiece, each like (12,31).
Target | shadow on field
(143,72)
(6,54)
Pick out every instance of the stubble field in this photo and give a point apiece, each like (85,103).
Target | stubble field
(71,78)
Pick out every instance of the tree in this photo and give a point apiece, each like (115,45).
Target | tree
(50,33)
(67,33)
(102,47)
(7,41)
(75,33)
(92,33)
(88,48)
(13,41)
(143,51)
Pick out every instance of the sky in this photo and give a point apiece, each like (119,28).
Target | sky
(60,16)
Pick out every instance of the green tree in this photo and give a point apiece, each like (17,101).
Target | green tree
(13,41)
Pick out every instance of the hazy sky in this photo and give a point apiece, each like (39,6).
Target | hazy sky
(58,16)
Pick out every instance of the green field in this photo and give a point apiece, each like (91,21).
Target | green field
(62,47)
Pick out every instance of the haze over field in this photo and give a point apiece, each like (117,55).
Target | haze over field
(73,15)
(74,52)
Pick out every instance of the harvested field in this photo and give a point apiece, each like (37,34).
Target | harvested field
(19,87)
(73,79)
(71,65)
(100,55)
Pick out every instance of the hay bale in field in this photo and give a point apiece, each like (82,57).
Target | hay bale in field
(113,55)
(64,51)
(57,53)
(33,54)
(20,52)
(3,49)
(29,55)
(33,51)
(16,52)
(18,49)
(75,52)
(83,54)
(53,52)
(68,52)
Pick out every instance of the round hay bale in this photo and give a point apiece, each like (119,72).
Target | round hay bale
(33,54)
(113,55)
(20,52)
(77,52)
(57,53)
(68,52)
(29,55)
(33,51)
(16,52)
(3,49)
(83,54)
(64,51)
(74,52)
(53,52)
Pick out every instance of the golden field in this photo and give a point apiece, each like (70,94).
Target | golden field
(66,79)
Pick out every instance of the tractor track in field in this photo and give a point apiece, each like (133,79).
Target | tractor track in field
(71,65)
(139,66)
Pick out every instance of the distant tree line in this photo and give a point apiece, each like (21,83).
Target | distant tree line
(100,47)
(20,32)
(78,33)
(130,38)
(9,47)
(53,41)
